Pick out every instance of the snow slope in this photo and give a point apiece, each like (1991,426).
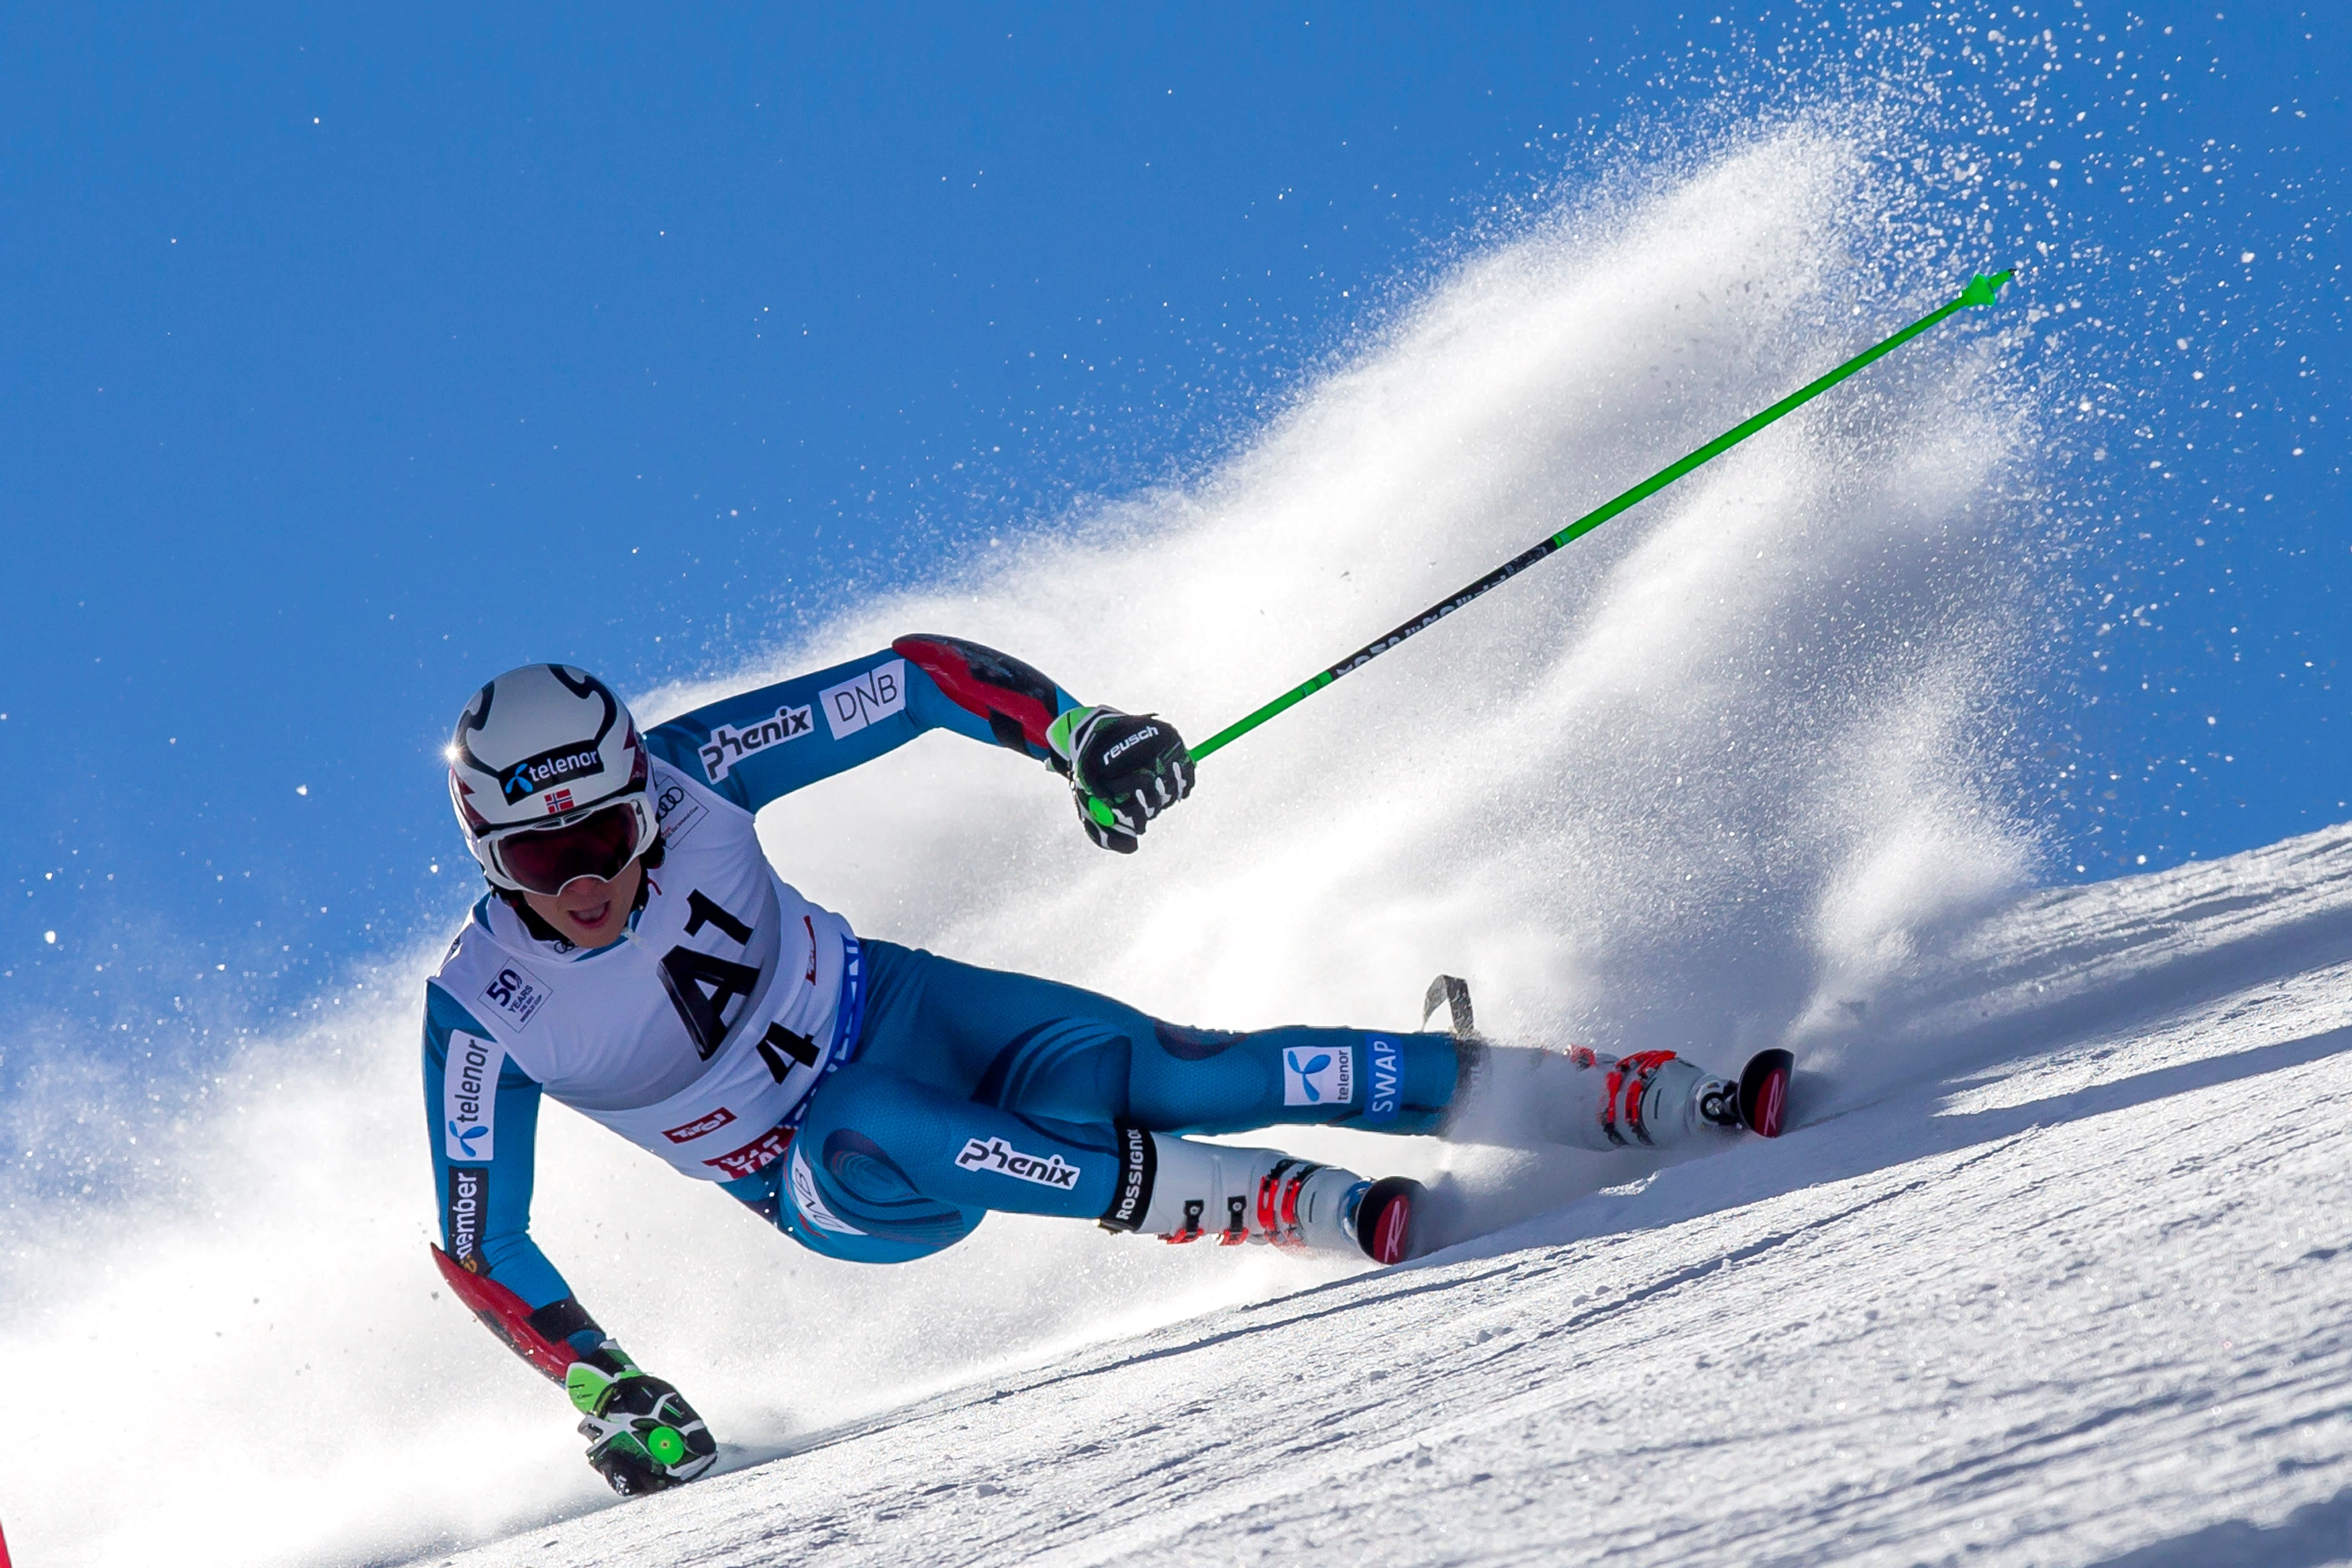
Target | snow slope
(2084,1301)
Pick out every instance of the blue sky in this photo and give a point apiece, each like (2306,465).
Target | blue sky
(350,360)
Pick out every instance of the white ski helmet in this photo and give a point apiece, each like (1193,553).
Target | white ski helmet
(548,778)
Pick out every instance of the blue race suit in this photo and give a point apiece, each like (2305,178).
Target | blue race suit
(872,1100)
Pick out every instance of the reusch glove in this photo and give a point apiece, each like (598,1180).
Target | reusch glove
(642,1434)
(1124,769)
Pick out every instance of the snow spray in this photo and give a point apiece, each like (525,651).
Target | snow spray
(1685,799)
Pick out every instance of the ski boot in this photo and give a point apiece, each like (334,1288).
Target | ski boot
(1182,1191)
(1580,1097)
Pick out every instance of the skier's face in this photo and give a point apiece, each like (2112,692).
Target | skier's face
(588,912)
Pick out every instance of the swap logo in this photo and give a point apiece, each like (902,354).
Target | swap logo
(1384,1079)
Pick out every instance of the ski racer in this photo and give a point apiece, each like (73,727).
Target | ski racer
(637,959)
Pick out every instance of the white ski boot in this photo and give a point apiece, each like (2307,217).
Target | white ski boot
(1648,1100)
(1182,1191)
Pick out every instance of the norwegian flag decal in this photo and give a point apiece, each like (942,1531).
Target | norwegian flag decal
(558,800)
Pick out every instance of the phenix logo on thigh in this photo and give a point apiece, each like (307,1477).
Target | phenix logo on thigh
(999,1158)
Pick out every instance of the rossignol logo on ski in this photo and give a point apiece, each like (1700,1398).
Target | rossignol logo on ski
(469,1091)
(997,1156)
(548,769)
(1384,1079)
(1318,1076)
(515,992)
(1136,1156)
(470,1202)
(854,704)
(729,745)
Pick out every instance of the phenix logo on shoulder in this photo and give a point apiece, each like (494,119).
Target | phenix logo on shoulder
(548,769)
(728,745)
(999,1158)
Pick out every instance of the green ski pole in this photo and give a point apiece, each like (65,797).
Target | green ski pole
(1980,291)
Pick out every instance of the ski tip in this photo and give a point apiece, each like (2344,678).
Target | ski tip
(1384,1219)
(1764,1092)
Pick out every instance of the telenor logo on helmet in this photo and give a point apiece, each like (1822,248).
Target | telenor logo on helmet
(532,774)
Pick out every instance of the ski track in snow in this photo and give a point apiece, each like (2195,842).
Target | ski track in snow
(2089,1308)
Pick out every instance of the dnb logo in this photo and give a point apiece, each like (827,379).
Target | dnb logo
(1317,1075)
(470,1098)
(462,1220)
(1384,1079)
(548,769)
(729,745)
(854,704)
(1003,1159)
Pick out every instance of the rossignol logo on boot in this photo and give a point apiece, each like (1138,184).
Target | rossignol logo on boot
(470,1098)
(854,704)
(1137,1155)
(469,1204)
(1318,1075)
(515,992)
(1003,1159)
(1384,1079)
(548,769)
(729,745)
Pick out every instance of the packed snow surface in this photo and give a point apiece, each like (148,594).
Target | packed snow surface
(2088,1299)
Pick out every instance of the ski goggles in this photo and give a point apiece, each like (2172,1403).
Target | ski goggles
(597,842)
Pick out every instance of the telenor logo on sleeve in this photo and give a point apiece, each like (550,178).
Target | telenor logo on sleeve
(470,1098)
(729,745)
(1318,1076)
(854,704)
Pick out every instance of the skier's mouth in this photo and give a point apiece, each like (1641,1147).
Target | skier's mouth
(591,918)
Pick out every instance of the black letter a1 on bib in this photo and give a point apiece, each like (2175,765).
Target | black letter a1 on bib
(701,985)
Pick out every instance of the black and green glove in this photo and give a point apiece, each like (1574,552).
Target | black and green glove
(1125,769)
(642,1434)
